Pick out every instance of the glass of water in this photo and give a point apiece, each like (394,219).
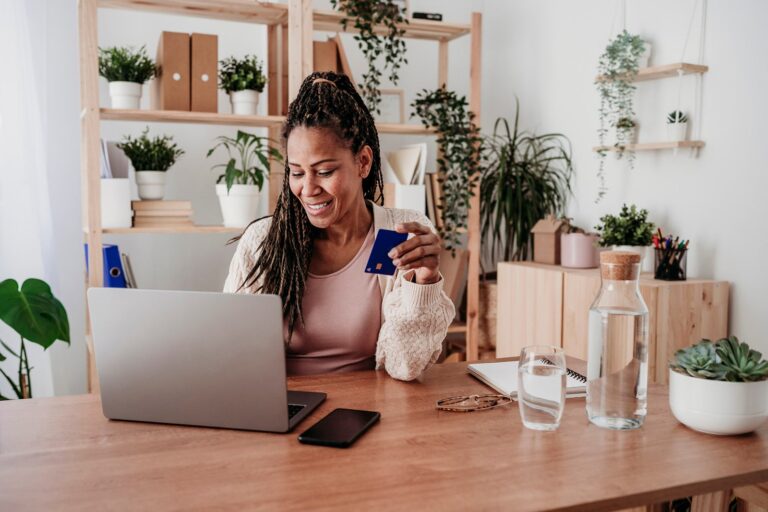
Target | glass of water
(541,378)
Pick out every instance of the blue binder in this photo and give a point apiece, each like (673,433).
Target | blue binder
(114,275)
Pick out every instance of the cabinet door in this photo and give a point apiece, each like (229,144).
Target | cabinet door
(529,307)
(579,291)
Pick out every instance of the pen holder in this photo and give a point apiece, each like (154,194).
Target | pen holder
(671,264)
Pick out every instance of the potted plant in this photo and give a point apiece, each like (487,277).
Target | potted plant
(617,69)
(151,158)
(37,316)
(677,125)
(244,173)
(459,162)
(367,17)
(719,388)
(243,79)
(628,231)
(626,131)
(126,70)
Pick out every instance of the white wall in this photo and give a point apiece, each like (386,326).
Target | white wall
(546,53)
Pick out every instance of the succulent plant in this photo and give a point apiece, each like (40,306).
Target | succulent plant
(676,116)
(700,360)
(741,363)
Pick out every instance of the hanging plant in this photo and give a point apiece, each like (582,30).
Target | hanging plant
(366,15)
(617,70)
(459,162)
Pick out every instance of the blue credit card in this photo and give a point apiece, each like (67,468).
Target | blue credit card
(379,262)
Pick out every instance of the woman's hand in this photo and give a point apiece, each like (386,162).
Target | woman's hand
(420,252)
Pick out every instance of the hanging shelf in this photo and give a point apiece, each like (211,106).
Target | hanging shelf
(666,71)
(650,146)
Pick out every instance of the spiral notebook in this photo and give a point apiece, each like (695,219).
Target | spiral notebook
(503,378)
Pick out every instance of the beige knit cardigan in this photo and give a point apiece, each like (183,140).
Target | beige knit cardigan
(415,317)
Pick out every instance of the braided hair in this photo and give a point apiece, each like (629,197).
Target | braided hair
(325,100)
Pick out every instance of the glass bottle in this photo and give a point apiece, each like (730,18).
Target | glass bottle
(617,358)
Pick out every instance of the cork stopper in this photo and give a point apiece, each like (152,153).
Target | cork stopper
(619,265)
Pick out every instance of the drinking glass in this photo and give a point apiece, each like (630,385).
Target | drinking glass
(541,381)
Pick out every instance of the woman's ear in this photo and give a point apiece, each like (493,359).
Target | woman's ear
(365,161)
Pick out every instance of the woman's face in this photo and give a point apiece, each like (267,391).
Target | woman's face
(325,175)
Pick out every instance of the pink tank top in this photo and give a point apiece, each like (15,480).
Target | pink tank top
(342,319)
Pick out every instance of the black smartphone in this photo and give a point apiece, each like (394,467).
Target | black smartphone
(340,428)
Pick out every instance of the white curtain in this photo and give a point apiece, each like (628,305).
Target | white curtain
(25,218)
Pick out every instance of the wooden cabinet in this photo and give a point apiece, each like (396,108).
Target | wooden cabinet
(548,304)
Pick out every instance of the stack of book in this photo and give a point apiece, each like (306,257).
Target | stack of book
(155,214)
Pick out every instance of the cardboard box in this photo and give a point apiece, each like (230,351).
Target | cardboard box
(546,239)
(171,90)
(204,94)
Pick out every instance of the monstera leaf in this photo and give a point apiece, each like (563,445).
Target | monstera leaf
(33,312)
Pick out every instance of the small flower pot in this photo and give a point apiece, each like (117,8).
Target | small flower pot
(718,407)
(645,252)
(244,103)
(579,250)
(151,184)
(125,95)
(677,131)
(239,206)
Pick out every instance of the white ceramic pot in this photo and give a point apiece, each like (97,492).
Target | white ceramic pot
(677,131)
(151,184)
(645,57)
(579,250)
(116,203)
(125,95)
(645,252)
(244,102)
(718,407)
(240,206)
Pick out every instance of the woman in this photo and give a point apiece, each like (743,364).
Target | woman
(312,251)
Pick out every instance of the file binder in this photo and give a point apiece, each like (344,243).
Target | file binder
(172,85)
(114,274)
(204,95)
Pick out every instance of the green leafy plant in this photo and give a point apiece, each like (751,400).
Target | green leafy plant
(242,74)
(629,227)
(458,164)
(150,154)
(125,64)
(248,159)
(727,360)
(625,123)
(368,16)
(37,316)
(524,178)
(617,68)
(676,116)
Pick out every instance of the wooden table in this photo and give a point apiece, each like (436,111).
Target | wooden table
(62,454)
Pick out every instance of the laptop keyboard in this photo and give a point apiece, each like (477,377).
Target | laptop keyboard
(293,409)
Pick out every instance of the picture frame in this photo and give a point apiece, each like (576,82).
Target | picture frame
(392,106)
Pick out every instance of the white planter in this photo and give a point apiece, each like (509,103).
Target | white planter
(645,252)
(116,203)
(151,184)
(125,95)
(718,407)
(642,61)
(240,206)
(677,131)
(244,102)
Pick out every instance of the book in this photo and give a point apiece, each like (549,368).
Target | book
(430,201)
(405,162)
(432,16)
(161,205)
(161,221)
(130,282)
(502,377)
(163,213)
(437,195)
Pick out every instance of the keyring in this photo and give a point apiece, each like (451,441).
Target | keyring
(469,403)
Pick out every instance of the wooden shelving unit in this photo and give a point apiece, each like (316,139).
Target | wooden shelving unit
(666,71)
(652,146)
(290,30)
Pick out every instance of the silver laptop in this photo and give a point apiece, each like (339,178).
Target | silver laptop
(194,358)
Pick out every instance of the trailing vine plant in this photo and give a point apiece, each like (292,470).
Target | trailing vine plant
(617,69)
(366,15)
(458,164)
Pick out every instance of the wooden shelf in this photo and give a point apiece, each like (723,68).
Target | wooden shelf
(249,11)
(666,71)
(173,116)
(171,230)
(330,21)
(404,129)
(650,146)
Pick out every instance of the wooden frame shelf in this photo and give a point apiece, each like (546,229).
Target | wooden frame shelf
(651,146)
(250,11)
(330,21)
(174,116)
(666,71)
(171,230)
